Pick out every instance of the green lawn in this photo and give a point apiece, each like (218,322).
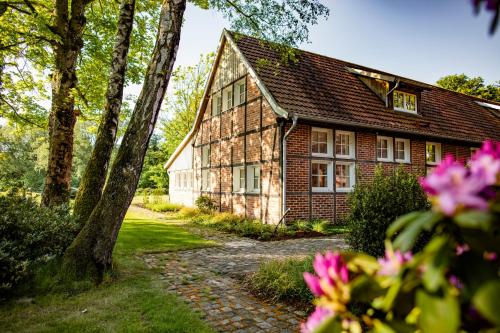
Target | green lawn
(130,301)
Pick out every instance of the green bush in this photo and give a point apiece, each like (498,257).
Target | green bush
(163,207)
(29,236)
(282,280)
(205,203)
(373,207)
(188,212)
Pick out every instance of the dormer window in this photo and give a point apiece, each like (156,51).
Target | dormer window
(404,101)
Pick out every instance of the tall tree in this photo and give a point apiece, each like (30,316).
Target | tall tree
(284,20)
(471,86)
(92,182)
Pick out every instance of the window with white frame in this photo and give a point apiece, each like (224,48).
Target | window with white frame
(227,98)
(205,179)
(384,149)
(205,156)
(344,144)
(344,176)
(240,92)
(432,153)
(216,104)
(321,176)
(253,176)
(404,101)
(239,179)
(402,150)
(321,142)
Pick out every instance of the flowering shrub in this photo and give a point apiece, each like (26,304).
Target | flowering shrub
(452,285)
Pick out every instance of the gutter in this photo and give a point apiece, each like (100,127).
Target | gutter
(389,92)
(295,118)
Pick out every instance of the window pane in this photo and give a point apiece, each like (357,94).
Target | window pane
(319,175)
(398,100)
(342,176)
(431,153)
(410,102)
(342,144)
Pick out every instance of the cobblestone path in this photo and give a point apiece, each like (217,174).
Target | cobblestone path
(209,280)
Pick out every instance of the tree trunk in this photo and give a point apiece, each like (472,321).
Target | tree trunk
(92,182)
(69,25)
(90,253)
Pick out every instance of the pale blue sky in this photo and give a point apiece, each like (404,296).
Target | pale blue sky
(420,39)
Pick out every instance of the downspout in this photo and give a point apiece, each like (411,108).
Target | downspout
(390,91)
(294,123)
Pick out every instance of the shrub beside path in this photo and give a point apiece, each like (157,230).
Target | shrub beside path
(209,279)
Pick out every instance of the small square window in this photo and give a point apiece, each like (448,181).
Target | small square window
(240,92)
(402,150)
(433,153)
(403,101)
(321,142)
(253,172)
(216,104)
(384,148)
(321,175)
(344,176)
(239,179)
(344,144)
(227,98)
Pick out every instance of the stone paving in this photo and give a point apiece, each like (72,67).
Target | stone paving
(209,280)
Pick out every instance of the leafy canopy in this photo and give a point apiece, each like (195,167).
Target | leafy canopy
(471,86)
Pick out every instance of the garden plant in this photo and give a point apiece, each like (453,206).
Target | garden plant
(451,285)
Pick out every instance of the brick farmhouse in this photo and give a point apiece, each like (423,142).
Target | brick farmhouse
(271,138)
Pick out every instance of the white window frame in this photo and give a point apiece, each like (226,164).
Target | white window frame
(405,94)
(237,186)
(407,150)
(205,179)
(226,102)
(390,149)
(250,178)
(352,145)
(352,176)
(216,104)
(205,156)
(239,97)
(329,142)
(438,153)
(329,176)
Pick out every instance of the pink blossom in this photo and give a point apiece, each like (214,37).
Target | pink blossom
(486,162)
(461,249)
(452,186)
(315,319)
(393,261)
(490,256)
(456,282)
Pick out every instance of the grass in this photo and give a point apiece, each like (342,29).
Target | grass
(163,207)
(282,280)
(131,300)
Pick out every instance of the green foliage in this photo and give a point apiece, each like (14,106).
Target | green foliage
(30,235)
(205,204)
(188,212)
(282,280)
(373,207)
(164,207)
(471,86)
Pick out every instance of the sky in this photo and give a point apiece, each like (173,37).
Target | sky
(420,39)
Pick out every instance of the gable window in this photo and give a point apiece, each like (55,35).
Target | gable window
(403,101)
(240,92)
(384,148)
(344,176)
(205,180)
(321,175)
(205,156)
(253,172)
(216,104)
(239,179)
(321,142)
(227,98)
(344,144)
(402,150)
(433,153)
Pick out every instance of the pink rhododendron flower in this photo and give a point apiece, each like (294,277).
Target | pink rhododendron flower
(453,186)
(315,319)
(393,261)
(461,249)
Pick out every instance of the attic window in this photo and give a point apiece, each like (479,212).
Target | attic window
(404,101)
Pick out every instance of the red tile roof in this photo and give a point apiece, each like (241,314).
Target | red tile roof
(321,88)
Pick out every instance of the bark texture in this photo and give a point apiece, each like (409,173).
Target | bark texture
(91,251)
(94,177)
(69,22)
